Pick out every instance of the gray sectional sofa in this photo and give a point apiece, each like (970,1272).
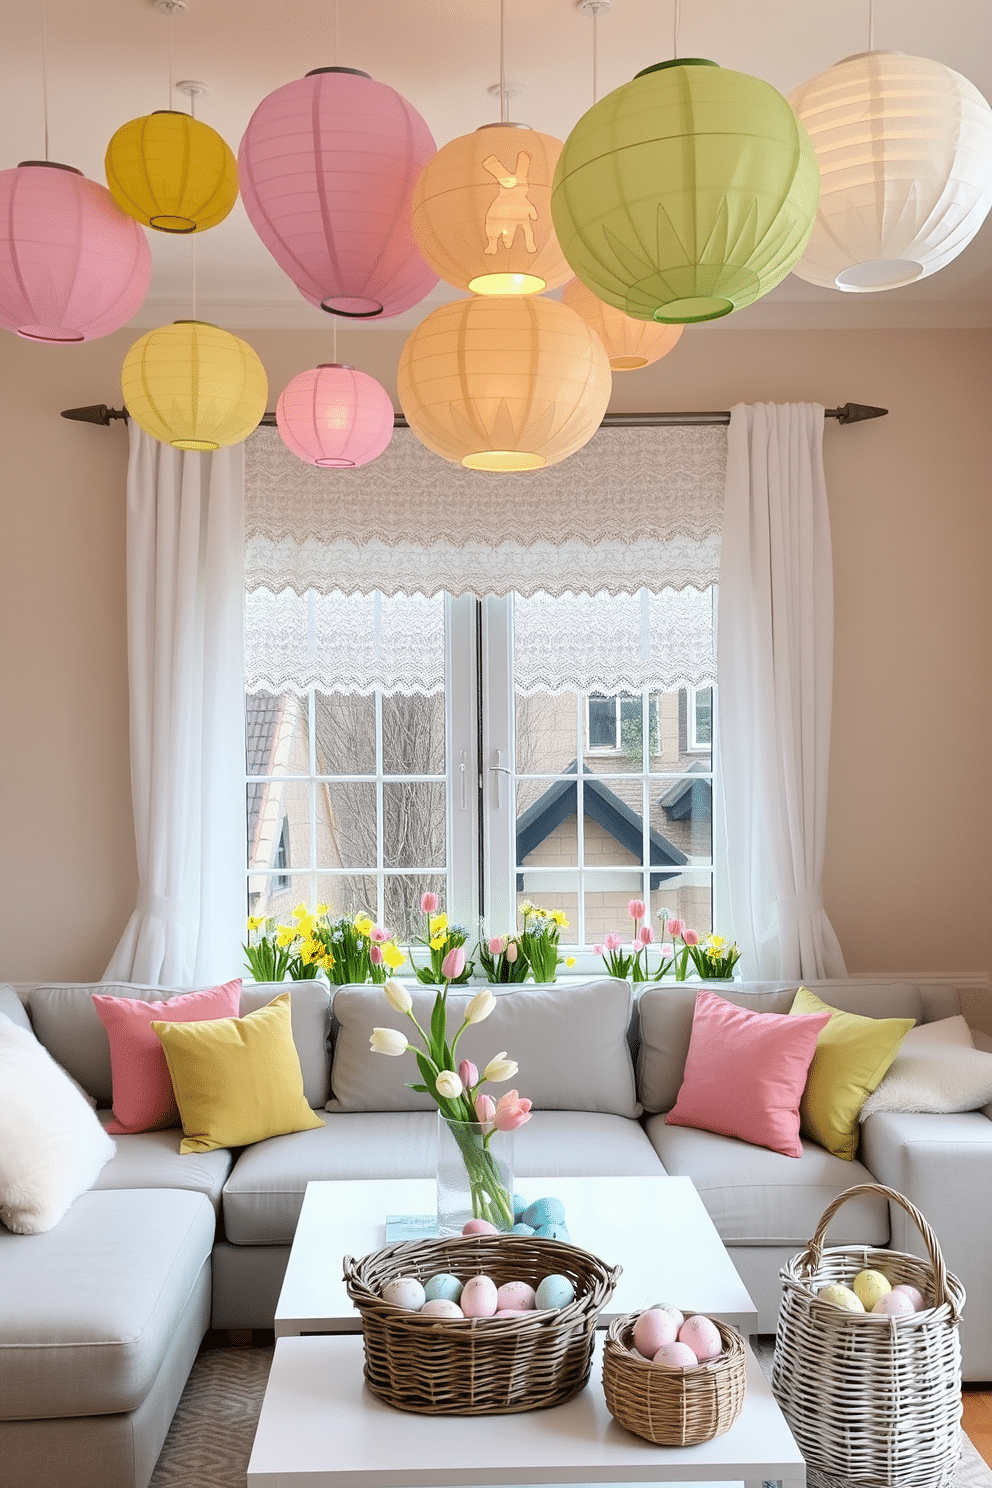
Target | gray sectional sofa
(102,1315)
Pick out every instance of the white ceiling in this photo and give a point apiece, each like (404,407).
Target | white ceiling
(108,61)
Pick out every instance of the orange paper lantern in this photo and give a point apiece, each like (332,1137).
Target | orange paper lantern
(629,343)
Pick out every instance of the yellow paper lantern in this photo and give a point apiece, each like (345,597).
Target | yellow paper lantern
(482,212)
(194,386)
(170,171)
(504,382)
(629,343)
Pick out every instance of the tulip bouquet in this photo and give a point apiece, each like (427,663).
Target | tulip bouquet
(440,938)
(473,1116)
(502,959)
(539,940)
(710,955)
(351,948)
(632,961)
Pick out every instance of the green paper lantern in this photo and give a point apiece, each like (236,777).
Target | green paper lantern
(685,194)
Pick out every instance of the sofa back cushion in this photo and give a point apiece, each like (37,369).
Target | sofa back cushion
(570,1041)
(65,1020)
(666,1021)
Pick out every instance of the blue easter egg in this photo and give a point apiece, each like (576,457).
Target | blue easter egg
(444,1287)
(519,1205)
(554,1291)
(554,1232)
(522,1229)
(544,1211)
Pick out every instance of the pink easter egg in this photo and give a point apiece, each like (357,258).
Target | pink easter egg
(652,1330)
(517,1295)
(675,1356)
(913,1293)
(478,1297)
(479,1227)
(702,1335)
(441,1307)
(894,1304)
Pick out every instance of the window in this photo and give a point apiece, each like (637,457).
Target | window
(484,774)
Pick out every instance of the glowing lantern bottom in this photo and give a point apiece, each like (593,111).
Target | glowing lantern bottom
(501,383)
(335,417)
(194,386)
(629,343)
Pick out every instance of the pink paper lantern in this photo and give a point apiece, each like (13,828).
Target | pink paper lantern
(335,417)
(73,266)
(327,168)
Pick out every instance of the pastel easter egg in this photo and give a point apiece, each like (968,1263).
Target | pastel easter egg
(702,1335)
(554,1291)
(675,1356)
(913,1293)
(479,1297)
(652,1330)
(479,1227)
(518,1295)
(544,1211)
(677,1316)
(869,1286)
(522,1229)
(841,1296)
(894,1304)
(406,1292)
(512,1312)
(519,1205)
(553,1231)
(443,1287)
(441,1307)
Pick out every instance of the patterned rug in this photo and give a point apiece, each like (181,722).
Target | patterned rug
(209,1441)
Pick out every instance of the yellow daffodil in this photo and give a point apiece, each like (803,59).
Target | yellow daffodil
(327,961)
(569,961)
(717,944)
(438,942)
(560,920)
(392,955)
(363,924)
(285,934)
(255,922)
(437,923)
(305,925)
(322,909)
(300,909)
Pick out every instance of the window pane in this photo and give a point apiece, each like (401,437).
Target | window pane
(403,915)
(602,721)
(687,896)
(545,731)
(683,811)
(347,894)
(345,733)
(347,813)
(413,825)
(277,895)
(413,734)
(546,823)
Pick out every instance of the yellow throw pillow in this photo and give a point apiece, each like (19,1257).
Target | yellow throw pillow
(852,1054)
(237,1080)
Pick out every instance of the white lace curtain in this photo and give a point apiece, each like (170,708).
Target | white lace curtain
(345,570)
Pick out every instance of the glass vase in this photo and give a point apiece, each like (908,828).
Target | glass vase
(474,1175)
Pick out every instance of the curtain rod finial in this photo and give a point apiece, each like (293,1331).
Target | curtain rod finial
(856,413)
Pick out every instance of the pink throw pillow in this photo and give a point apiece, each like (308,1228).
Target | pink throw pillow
(745,1073)
(143,1098)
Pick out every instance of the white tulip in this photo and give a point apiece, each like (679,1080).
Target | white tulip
(397,996)
(388,1041)
(500,1068)
(480,1007)
(448,1085)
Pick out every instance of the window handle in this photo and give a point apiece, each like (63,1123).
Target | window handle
(462,780)
(497,770)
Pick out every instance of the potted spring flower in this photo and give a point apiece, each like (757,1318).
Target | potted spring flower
(632,962)
(502,959)
(266,956)
(440,939)
(539,940)
(474,1159)
(712,957)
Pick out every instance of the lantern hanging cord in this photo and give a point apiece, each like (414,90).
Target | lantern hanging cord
(192,264)
(676,22)
(337,34)
(871,25)
(595,56)
(503,111)
(44,69)
(172,18)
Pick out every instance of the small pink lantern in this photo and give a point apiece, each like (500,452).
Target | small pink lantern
(327,168)
(335,417)
(73,266)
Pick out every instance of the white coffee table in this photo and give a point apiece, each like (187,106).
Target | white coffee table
(321,1428)
(657,1229)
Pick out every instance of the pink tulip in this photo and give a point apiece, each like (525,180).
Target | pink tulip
(453,964)
(511,1112)
(497,945)
(598,950)
(667,949)
(675,927)
(380,934)
(375,955)
(511,951)
(645,935)
(429,903)
(468,1074)
(690,937)
(485,1108)
(613,942)
(636,909)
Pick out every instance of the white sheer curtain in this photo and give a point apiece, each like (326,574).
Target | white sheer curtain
(775,662)
(185,578)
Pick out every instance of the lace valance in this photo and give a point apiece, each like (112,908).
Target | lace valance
(634,508)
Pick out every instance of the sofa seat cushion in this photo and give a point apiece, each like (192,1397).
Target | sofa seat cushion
(90,1308)
(152,1160)
(264,1194)
(758,1197)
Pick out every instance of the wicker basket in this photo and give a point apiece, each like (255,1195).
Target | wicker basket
(673,1407)
(479,1366)
(871,1400)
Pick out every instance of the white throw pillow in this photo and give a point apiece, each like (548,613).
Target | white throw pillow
(52,1146)
(937,1069)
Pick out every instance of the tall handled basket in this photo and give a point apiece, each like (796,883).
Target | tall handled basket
(873,1401)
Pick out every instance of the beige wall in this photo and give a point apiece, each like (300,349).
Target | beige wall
(909,848)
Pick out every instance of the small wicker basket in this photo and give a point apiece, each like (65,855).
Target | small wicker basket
(871,1400)
(479,1366)
(673,1407)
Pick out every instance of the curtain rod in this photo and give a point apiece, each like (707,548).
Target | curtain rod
(849,413)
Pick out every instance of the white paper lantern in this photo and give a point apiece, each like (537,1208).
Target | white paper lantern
(904,146)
